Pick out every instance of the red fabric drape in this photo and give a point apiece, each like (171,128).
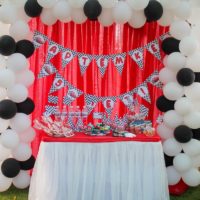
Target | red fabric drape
(92,38)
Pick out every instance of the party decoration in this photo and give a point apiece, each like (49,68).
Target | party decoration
(164,105)
(172,175)
(91,102)
(8,109)
(7,45)
(26,107)
(118,61)
(138,56)
(47,69)
(138,4)
(22,152)
(185,77)
(108,103)
(22,180)
(25,47)
(52,99)
(27,136)
(5,183)
(102,63)
(84,61)
(38,39)
(183,134)
(28,164)
(49,110)
(153,48)
(164,131)
(183,106)
(32,8)
(170,45)
(143,91)
(53,50)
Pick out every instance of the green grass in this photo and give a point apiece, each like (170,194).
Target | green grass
(15,194)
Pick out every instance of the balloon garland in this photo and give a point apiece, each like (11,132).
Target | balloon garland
(180,130)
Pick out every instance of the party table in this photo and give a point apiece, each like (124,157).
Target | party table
(99,168)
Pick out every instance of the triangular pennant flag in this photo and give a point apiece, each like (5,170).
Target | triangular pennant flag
(144,111)
(47,69)
(153,48)
(143,91)
(67,56)
(84,61)
(159,120)
(91,101)
(108,103)
(58,83)
(127,99)
(52,99)
(102,63)
(118,61)
(164,36)
(138,56)
(72,94)
(53,50)
(154,80)
(80,124)
(38,39)
(49,110)
(70,122)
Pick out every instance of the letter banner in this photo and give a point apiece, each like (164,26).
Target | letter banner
(84,61)
(58,83)
(72,94)
(153,48)
(108,103)
(39,39)
(164,36)
(154,80)
(47,69)
(52,99)
(138,56)
(91,101)
(143,92)
(53,50)
(127,99)
(119,60)
(102,63)
(67,56)
(49,110)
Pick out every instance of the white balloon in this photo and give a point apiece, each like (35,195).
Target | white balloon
(9,139)
(19,3)
(191,148)
(47,3)
(122,12)
(7,78)
(180,29)
(18,93)
(176,61)
(106,18)
(4,153)
(20,122)
(173,176)
(2,62)
(169,4)
(62,10)
(182,162)
(19,30)
(184,10)
(106,3)
(183,106)
(8,13)
(17,62)
(22,153)
(138,4)
(25,78)
(192,91)
(3,93)
(192,120)
(196,105)
(78,3)
(21,15)
(3,124)
(173,91)
(167,18)
(22,180)
(193,62)
(191,177)
(171,147)
(27,135)
(188,45)
(5,182)
(172,119)
(196,161)
(138,19)
(165,132)
(166,75)
(78,16)
(47,18)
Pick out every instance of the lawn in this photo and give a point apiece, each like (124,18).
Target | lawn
(15,194)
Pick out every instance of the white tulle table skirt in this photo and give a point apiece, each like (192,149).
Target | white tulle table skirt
(99,171)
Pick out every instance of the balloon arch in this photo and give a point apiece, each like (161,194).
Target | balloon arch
(180,103)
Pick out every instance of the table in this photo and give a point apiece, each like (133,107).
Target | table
(88,168)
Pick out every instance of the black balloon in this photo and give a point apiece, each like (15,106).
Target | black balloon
(8,109)
(10,168)
(28,164)
(153,11)
(170,45)
(183,134)
(185,77)
(168,160)
(197,77)
(196,134)
(26,106)
(92,9)
(32,8)
(164,104)
(25,47)
(7,45)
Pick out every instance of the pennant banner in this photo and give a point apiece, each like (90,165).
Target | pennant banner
(127,99)
(47,69)
(38,39)
(118,61)
(108,103)
(102,63)
(91,101)
(164,36)
(143,92)
(49,110)
(84,61)
(144,111)
(153,48)
(154,80)
(138,56)
(53,50)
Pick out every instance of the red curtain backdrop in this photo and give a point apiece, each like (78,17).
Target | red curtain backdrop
(92,38)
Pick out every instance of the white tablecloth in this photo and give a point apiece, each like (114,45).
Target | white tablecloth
(99,171)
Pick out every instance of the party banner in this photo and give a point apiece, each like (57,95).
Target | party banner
(127,99)
(154,80)
(138,56)
(84,61)
(53,50)
(47,69)
(118,61)
(91,101)
(108,103)
(154,49)
(143,92)
(144,111)
(50,110)
(102,63)
(38,39)
(164,36)
(52,99)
